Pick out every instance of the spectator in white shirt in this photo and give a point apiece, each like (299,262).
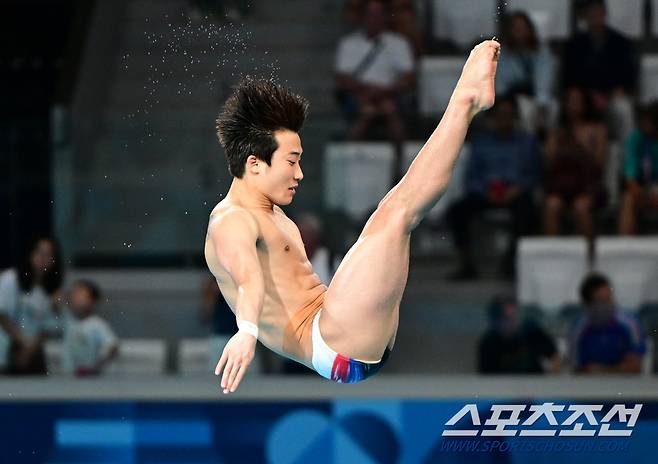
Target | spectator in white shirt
(375,72)
(29,298)
(89,342)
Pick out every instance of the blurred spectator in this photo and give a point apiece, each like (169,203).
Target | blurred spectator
(338,229)
(216,311)
(310,229)
(513,346)
(375,72)
(404,21)
(605,339)
(353,14)
(575,157)
(89,342)
(502,172)
(602,60)
(640,170)
(30,296)
(526,68)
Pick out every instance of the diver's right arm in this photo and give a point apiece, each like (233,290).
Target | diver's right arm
(234,236)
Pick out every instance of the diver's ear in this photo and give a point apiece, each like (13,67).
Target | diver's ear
(253,164)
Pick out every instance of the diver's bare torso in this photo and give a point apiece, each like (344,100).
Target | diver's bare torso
(290,283)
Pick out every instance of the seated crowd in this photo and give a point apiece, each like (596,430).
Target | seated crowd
(603,339)
(34,308)
(543,153)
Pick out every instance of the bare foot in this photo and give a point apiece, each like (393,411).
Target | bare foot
(477,80)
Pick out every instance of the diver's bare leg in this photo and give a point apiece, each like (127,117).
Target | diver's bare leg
(360,313)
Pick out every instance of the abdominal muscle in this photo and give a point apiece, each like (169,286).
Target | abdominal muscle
(279,327)
(295,287)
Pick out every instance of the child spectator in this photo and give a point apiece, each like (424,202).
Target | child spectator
(89,342)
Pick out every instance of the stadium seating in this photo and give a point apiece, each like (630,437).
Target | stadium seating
(136,357)
(552,19)
(632,266)
(456,186)
(199,356)
(436,79)
(346,165)
(627,16)
(357,176)
(53,349)
(550,270)
(194,356)
(139,357)
(456,22)
(648,78)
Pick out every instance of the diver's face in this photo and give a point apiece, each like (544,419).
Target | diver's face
(280,180)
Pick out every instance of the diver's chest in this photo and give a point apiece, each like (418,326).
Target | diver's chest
(280,239)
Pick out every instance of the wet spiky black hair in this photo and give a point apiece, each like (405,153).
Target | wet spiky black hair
(249,118)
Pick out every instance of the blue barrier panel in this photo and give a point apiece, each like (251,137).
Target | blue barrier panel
(339,431)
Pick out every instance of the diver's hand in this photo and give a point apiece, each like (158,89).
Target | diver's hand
(238,354)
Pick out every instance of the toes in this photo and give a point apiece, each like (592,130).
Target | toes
(492,44)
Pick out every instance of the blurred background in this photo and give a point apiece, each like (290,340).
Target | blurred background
(536,272)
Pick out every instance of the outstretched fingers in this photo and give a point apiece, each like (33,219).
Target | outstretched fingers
(236,358)
(225,375)
(238,377)
(229,387)
(221,363)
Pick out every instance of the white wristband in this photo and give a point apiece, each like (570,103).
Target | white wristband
(249,327)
